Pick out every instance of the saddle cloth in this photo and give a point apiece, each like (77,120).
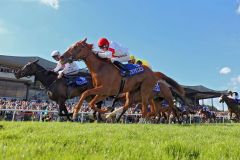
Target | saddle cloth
(133,68)
(157,87)
(77,81)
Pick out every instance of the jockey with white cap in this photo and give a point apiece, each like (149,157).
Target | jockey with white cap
(69,68)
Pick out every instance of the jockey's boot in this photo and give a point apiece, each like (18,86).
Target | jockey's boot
(120,66)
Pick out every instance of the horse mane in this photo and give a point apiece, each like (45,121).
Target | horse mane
(49,72)
(91,47)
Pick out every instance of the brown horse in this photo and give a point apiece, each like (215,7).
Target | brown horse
(207,116)
(165,93)
(177,88)
(57,89)
(233,106)
(107,79)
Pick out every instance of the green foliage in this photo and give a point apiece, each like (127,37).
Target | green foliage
(37,140)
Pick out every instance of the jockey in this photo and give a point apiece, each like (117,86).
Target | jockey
(134,60)
(236,96)
(115,52)
(69,68)
(230,94)
(56,56)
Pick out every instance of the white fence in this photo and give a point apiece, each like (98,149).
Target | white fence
(192,119)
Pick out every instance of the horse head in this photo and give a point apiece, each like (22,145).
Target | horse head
(79,50)
(223,98)
(27,70)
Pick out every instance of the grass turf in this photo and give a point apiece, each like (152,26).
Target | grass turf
(35,140)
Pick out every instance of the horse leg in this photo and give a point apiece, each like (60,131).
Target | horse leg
(169,98)
(95,115)
(99,106)
(187,118)
(125,107)
(94,91)
(158,112)
(60,111)
(153,108)
(66,113)
(62,107)
(230,115)
(174,111)
(96,99)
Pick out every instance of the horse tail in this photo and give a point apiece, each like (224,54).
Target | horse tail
(172,82)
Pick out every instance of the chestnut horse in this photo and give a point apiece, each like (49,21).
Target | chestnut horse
(233,106)
(107,79)
(167,86)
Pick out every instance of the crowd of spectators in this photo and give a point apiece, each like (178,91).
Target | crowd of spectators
(7,69)
(24,108)
(49,108)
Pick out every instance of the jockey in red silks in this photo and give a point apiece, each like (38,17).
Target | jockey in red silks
(115,52)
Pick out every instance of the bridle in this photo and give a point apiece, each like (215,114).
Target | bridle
(73,55)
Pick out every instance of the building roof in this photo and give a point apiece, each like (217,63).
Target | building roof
(202,92)
(17,61)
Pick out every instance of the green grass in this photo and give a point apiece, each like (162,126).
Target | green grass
(34,140)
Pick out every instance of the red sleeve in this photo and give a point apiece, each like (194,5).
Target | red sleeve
(112,50)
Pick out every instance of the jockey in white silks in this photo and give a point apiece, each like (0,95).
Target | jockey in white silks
(67,69)
(115,52)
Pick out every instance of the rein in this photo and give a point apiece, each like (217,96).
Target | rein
(49,86)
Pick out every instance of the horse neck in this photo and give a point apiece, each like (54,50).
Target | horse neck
(41,76)
(230,103)
(94,63)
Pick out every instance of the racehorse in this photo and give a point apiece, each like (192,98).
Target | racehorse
(185,112)
(164,93)
(233,106)
(207,116)
(108,81)
(57,89)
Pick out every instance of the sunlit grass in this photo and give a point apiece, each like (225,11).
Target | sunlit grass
(35,140)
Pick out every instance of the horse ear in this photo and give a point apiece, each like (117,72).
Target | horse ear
(85,40)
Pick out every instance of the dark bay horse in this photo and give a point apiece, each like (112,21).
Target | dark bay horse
(57,89)
(233,106)
(107,79)
(186,112)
